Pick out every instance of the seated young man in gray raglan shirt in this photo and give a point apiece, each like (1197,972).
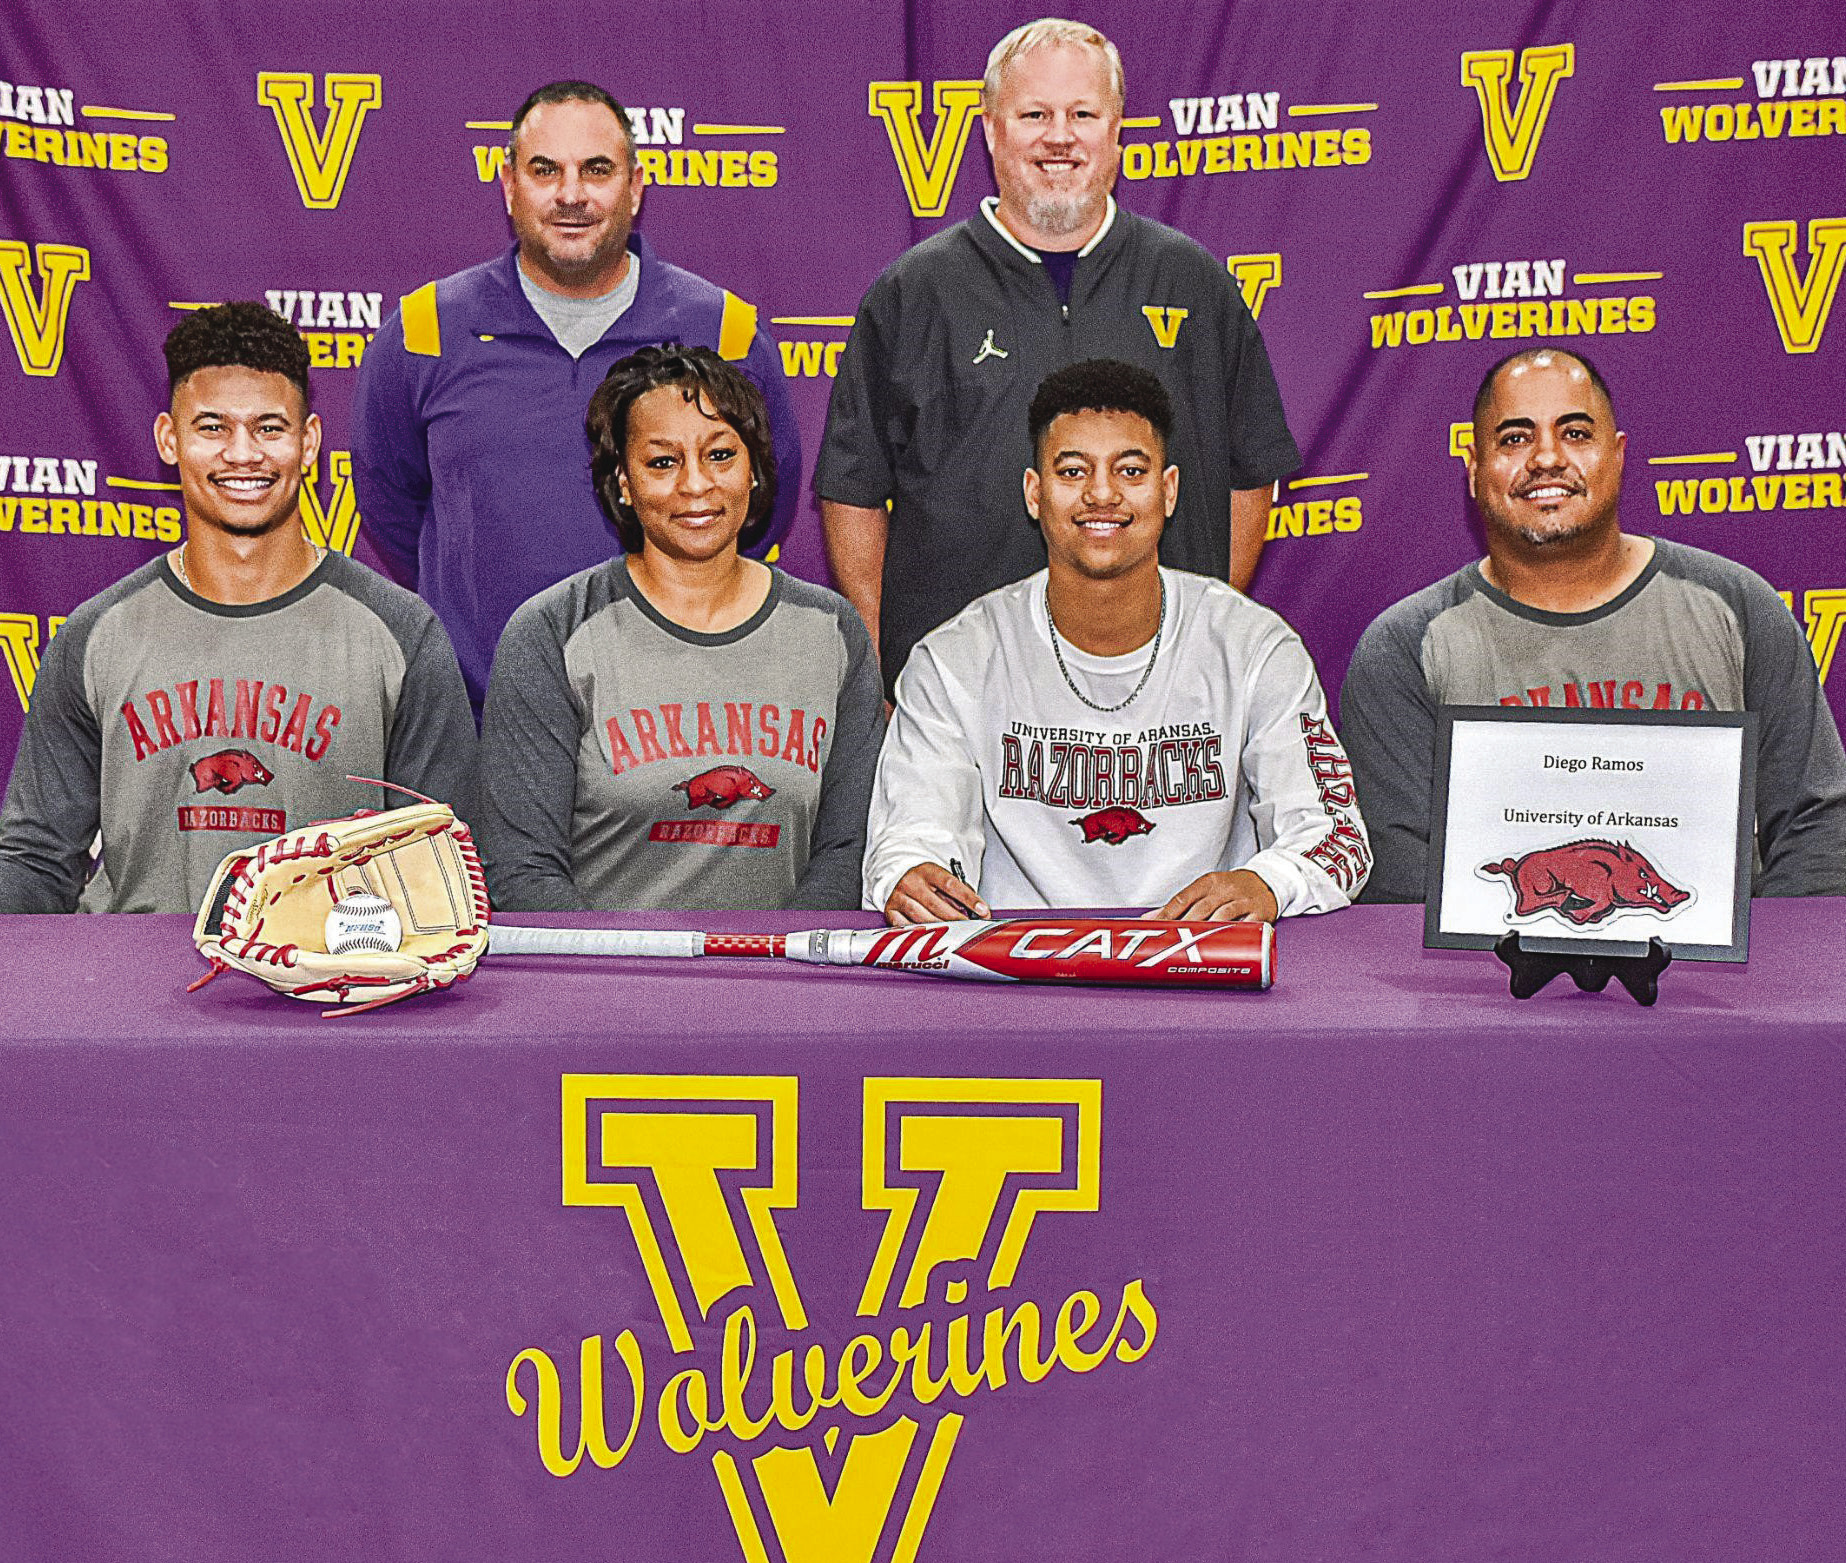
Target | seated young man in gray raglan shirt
(226,691)
(1568,610)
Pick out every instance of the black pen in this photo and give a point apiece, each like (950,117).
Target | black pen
(955,869)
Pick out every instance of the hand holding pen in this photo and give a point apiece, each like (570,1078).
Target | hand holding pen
(930,893)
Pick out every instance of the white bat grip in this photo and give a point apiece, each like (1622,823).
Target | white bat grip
(504,939)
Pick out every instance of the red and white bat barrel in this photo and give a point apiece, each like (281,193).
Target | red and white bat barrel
(1115,951)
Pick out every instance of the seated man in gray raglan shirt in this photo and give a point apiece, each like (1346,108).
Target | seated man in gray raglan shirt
(226,691)
(1568,610)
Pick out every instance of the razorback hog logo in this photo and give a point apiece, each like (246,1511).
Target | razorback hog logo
(1114,825)
(229,769)
(722,786)
(1587,881)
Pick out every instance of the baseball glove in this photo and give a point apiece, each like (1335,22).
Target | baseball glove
(265,911)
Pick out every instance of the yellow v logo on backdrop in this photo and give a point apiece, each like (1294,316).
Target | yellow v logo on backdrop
(335,525)
(1801,303)
(1826,618)
(928,171)
(1513,135)
(1256,275)
(1165,322)
(19,646)
(320,158)
(37,322)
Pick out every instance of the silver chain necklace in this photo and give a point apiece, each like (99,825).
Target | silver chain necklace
(178,560)
(1146,672)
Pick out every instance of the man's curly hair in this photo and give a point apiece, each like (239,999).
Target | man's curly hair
(1100,385)
(239,336)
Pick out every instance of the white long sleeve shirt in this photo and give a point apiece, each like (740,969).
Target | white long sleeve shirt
(1224,760)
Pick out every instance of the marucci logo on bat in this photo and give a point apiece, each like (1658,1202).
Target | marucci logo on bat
(704,1169)
(320,157)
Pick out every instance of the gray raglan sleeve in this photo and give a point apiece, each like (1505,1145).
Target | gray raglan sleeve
(432,747)
(1800,769)
(54,799)
(1388,724)
(530,730)
(837,850)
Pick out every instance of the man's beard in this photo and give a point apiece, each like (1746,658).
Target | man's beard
(1550,536)
(585,262)
(1063,215)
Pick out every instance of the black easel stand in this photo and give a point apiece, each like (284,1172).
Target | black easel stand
(1531,969)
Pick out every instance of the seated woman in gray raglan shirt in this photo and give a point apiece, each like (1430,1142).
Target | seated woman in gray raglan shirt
(681,727)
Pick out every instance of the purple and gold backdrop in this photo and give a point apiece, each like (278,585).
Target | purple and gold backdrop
(1403,198)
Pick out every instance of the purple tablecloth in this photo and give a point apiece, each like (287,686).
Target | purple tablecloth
(1428,1274)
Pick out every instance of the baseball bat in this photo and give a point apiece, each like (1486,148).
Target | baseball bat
(1112,951)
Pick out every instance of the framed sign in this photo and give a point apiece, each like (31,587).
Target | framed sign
(1592,831)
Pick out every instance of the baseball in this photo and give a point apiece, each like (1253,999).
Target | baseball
(363,921)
